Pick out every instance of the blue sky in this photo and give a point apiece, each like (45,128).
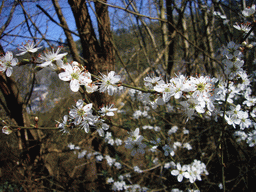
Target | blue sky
(51,30)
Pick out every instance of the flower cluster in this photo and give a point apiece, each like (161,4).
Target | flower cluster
(192,171)
(134,142)
(195,95)
(248,12)
(81,115)
(122,184)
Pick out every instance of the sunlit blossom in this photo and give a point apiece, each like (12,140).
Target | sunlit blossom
(6,130)
(64,125)
(74,74)
(7,63)
(179,172)
(247,12)
(80,111)
(107,110)
(29,47)
(108,82)
(50,57)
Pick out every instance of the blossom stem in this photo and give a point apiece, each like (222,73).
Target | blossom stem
(43,128)
(138,88)
(221,146)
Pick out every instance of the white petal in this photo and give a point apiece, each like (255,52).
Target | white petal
(79,103)
(9,71)
(175,172)
(45,64)
(22,53)
(65,118)
(74,85)
(110,113)
(87,107)
(8,56)
(180,178)
(60,63)
(65,76)
(101,132)
(14,62)
(58,57)
(34,50)
(105,126)
(2,67)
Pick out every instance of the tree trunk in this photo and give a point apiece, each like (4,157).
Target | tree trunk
(99,56)
(28,140)
(186,46)
(171,30)
(208,24)
(164,30)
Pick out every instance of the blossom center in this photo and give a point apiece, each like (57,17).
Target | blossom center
(167,89)
(80,112)
(75,76)
(8,64)
(200,87)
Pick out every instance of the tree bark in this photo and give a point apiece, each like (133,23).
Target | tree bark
(106,53)
(9,18)
(99,56)
(164,30)
(208,24)
(171,30)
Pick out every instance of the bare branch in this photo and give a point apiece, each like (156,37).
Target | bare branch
(70,40)
(2,6)
(37,29)
(9,19)
(61,25)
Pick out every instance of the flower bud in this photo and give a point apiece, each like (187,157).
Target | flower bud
(6,130)
(250,46)
(244,43)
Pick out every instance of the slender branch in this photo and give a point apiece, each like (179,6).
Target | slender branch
(49,40)
(163,20)
(61,25)
(2,6)
(71,43)
(37,29)
(121,98)
(147,29)
(142,44)
(28,27)
(35,128)
(8,20)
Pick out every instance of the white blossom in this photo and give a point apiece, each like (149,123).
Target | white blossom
(247,12)
(107,82)
(7,63)
(29,47)
(50,57)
